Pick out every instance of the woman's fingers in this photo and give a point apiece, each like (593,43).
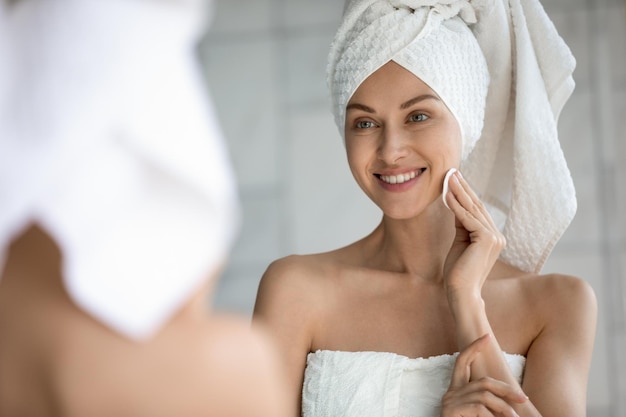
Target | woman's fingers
(465,218)
(471,212)
(461,372)
(477,243)
(500,389)
(469,201)
(479,403)
(485,397)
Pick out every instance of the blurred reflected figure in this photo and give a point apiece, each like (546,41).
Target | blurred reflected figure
(117,210)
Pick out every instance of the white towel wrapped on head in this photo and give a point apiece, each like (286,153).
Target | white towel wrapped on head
(432,42)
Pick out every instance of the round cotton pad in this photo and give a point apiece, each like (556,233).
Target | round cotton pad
(445,185)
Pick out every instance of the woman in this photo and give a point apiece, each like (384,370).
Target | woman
(117,212)
(372,329)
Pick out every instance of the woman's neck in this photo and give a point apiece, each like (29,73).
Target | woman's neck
(416,246)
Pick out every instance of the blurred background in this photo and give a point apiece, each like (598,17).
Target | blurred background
(265,65)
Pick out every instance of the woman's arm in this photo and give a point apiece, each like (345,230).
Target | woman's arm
(558,360)
(283,310)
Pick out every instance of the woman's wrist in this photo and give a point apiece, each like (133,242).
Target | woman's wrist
(468,310)
(461,299)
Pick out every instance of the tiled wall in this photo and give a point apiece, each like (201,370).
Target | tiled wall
(265,62)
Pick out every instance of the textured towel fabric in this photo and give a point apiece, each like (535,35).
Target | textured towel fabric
(518,166)
(515,162)
(108,141)
(380,384)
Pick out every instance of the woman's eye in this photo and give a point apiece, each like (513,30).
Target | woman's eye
(365,124)
(419,117)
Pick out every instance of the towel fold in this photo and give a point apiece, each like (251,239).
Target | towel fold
(518,166)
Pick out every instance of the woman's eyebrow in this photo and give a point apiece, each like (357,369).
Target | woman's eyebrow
(417,99)
(405,105)
(359,106)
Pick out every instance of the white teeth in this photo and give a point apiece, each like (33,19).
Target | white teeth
(398,179)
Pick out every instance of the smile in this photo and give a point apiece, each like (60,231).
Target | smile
(400,178)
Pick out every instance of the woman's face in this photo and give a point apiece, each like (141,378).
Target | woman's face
(401,139)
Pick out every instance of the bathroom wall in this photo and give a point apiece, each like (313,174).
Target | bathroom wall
(265,64)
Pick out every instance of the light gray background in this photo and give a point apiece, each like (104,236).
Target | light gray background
(265,63)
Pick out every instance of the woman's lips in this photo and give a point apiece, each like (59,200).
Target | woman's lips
(398,182)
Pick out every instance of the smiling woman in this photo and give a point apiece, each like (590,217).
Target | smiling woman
(400,137)
(440,311)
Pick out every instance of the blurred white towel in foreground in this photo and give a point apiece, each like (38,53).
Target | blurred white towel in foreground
(108,141)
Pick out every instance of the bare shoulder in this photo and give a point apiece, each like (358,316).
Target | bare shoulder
(299,267)
(296,280)
(292,293)
(549,294)
(569,316)
(554,308)
(561,296)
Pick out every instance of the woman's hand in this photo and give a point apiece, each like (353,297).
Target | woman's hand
(486,397)
(477,243)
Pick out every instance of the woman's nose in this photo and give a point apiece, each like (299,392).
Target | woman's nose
(393,146)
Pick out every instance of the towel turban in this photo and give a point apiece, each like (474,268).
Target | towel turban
(429,38)
(505,74)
